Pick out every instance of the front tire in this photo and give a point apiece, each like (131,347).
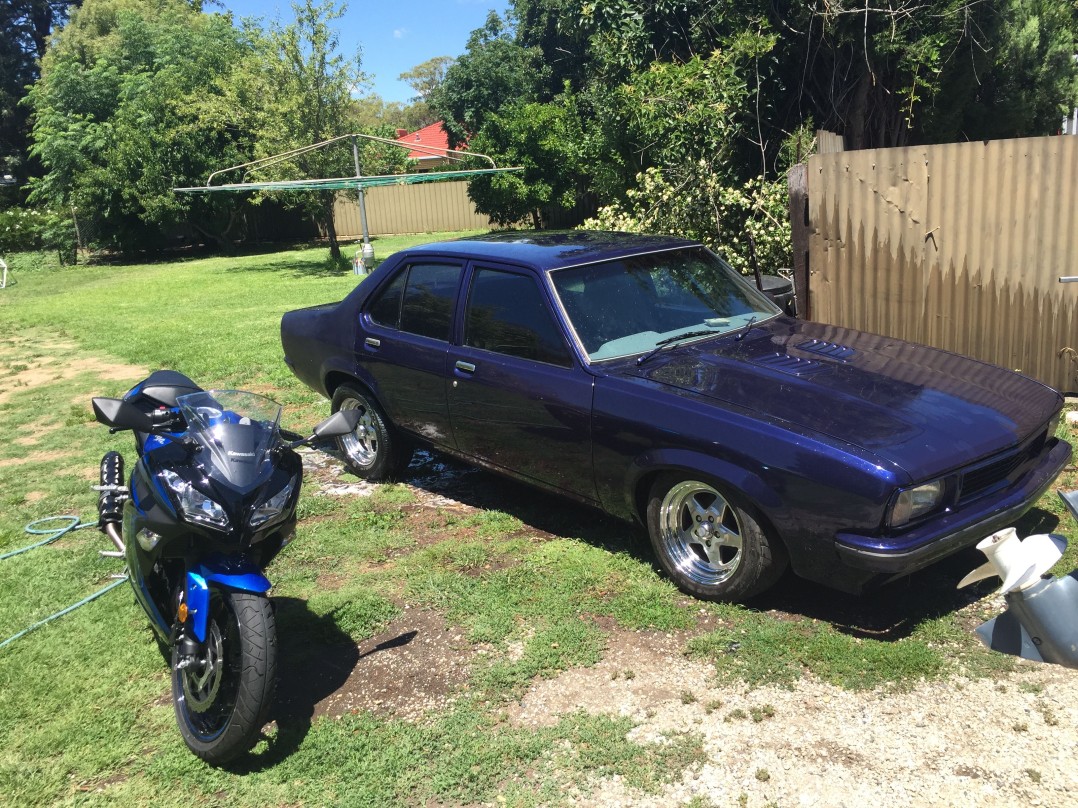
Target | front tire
(223,698)
(710,544)
(374,451)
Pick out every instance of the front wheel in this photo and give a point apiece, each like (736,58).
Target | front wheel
(711,545)
(373,450)
(222,696)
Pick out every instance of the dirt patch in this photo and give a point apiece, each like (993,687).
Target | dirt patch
(35,431)
(417,664)
(49,360)
(957,743)
(36,457)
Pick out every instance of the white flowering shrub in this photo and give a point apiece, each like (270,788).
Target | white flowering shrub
(699,206)
(26,229)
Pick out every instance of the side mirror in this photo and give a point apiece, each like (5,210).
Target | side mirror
(1070,499)
(120,414)
(340,423)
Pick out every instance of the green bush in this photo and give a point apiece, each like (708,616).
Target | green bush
(29,229)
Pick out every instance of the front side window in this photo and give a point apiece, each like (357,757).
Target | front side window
(506,314)
(419,300)
(631,305)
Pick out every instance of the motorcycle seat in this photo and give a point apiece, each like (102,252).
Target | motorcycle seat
(163,387)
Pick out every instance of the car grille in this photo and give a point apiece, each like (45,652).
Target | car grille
(982,479)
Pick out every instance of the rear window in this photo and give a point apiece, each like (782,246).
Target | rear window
(419,300)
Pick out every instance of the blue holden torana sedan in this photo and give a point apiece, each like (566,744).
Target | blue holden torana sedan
(645,377)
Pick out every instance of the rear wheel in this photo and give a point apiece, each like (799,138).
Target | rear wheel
(711,545)
(222,697)
(374,450)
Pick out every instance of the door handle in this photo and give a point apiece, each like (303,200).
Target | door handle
(465,367)
(372,342)
(1069,279)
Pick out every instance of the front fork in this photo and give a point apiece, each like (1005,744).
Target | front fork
(193,607)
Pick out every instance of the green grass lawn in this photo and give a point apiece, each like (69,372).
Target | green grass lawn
(531,585)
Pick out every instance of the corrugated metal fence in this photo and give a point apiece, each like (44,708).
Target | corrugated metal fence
(959,246)
(427,208)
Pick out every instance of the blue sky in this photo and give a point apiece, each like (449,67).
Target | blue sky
(395,35)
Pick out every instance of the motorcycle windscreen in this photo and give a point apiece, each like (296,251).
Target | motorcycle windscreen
(238,429)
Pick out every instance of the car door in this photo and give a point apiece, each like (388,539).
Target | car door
(403,341)
(518,398)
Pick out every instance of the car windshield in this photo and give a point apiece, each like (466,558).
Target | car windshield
(631,305)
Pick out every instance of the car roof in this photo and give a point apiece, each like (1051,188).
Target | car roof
(546,250)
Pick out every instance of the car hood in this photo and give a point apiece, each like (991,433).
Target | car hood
(924,410)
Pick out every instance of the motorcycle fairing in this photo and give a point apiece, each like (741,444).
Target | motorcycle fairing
(239,574)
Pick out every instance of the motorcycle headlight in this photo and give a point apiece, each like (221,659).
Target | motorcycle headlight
(195,505)
(272,507)
(913,503)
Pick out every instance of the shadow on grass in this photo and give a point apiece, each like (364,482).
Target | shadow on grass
(314,659)
(296,266)
(548,513)
(887,613)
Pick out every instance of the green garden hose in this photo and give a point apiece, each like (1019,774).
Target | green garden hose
(51,535)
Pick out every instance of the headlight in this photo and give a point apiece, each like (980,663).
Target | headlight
(913,503)
(195,505)
(272,507)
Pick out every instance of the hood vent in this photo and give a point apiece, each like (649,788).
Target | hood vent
(789,364)
(828,349)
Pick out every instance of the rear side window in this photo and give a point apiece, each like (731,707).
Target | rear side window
(386,309)
(506,314)
(419,300)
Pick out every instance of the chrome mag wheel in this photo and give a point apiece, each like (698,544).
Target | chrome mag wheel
(362,444)
(700,533)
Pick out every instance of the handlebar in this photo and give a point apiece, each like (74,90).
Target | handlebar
(164,417)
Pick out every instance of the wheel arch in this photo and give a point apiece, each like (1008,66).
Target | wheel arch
(335,378)
(750,487)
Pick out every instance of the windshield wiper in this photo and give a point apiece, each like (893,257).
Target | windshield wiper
(672,341)
(747,327)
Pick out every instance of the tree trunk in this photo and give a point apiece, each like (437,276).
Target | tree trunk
(331,227)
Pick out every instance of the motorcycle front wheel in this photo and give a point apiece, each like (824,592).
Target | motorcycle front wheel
(223,697)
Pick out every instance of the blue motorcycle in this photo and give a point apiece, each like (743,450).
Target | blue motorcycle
(210,503)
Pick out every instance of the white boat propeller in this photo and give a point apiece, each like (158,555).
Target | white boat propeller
(1019,563)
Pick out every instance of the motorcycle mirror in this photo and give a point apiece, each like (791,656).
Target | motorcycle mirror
(120,414)
(1070,499)
(340,423)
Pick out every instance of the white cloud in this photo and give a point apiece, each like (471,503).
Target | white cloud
(399,33)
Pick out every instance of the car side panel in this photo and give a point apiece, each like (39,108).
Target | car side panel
(524,416)
(408,375)
(803,487)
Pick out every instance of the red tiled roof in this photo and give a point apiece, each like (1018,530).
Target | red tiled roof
(432,139)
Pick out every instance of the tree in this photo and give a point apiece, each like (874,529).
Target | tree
(427,77)
(26,25)
(310,86)
(371,112)
(544,139)
(134,99)
(494,71)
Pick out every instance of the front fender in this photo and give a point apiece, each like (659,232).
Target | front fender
(742,480)
(242,576)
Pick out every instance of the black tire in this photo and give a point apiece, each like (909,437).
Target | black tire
(710,544)
(375,451)
(221,715)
